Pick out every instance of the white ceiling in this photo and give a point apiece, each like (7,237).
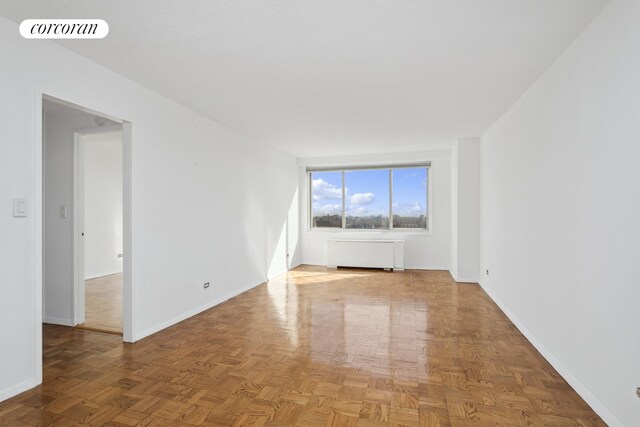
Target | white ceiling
(331,77)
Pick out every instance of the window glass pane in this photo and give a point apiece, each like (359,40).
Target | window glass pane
(410,198)
(326,199)
(367,198)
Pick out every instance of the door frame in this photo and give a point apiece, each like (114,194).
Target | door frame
(128,305)
(79,298)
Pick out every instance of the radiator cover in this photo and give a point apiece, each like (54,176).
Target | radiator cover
(387,254)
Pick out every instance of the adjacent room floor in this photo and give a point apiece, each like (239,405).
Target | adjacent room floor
(311,348)
(103,304)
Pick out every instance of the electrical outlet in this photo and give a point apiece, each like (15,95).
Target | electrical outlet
(487,271)
(638,391)
(206,285)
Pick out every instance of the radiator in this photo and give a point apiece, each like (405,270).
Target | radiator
(387,254)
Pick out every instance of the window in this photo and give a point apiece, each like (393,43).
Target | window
(410,198)
(326,199)
(367,198)
(370,199)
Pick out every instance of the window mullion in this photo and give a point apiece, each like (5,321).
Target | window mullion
(390,199)
(427,209)
(310,191)
(344,215)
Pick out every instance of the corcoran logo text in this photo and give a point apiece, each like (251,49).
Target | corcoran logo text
(64,29)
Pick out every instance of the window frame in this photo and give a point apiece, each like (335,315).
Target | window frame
(390,168)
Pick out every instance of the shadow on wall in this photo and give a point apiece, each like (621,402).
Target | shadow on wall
(269,222)
(284,254)
(293,231)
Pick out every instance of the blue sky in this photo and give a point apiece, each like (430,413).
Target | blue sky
(409,191)
(367,192)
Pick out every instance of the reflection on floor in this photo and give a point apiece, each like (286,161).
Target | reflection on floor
(103,304)
(311,348)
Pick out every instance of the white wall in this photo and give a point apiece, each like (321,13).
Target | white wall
(560,213)
(207,203)
(465,210)
(422,250)
(60,123)
(102,204)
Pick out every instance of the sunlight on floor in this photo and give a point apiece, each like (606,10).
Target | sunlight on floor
(345,326)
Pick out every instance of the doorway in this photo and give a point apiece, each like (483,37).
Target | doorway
(86,211)
(99,234)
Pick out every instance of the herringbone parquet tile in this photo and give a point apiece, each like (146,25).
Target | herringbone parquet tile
(311,348)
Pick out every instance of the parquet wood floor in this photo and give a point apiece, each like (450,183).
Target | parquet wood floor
(311,348)
(103,304)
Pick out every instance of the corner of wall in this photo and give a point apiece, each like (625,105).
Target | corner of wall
(16,389)
(58,321)
(137,336)
(583,391)
(465,210)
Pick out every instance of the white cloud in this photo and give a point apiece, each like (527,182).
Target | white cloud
(321,190)
(327,210)
(408,209)
(362,198)
(361,211)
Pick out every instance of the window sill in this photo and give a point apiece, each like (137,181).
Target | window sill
(394,232)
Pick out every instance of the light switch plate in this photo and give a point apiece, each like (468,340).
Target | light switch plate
(20,207)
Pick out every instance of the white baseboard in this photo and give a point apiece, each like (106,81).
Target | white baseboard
(314,263)
(15,390)
(284,271)
(107,273)
(406,267)
(463,279)
(427,267)
(150,331)
(278,273)
(588,397)
(294,265)
(58,321)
